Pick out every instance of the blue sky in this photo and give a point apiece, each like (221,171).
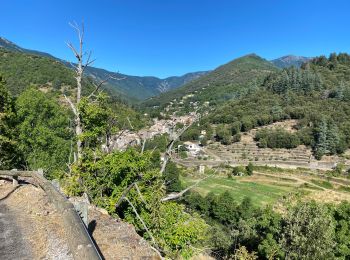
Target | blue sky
(173,37)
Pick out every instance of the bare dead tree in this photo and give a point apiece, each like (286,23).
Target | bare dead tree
(79,72)
(155,246)
(83,61)
(174,136)
(177,195)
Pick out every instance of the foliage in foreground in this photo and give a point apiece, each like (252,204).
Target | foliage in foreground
(104,177)
(9,155)
(306,231)
(43,131)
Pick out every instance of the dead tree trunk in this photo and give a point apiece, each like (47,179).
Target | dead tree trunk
(79,73)
(79,69)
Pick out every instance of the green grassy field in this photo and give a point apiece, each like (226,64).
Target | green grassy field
(240,187)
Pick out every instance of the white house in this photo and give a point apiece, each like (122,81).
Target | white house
(193,148)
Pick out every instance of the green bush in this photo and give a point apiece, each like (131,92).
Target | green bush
(276,138)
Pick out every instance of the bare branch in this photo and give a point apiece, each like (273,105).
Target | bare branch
(121,133)
(143,145)
(141,220)
(115,78)
(97,87)
(74,109)
(143,140)
(158,253)
(173,138)
(127,118)
(72,65)
(88,61)
(76,54)
(80,33)
(126,191)
(173,196)
(139,192)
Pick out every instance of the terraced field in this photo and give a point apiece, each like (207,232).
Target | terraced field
(269,186)
(247,150)
(260,193)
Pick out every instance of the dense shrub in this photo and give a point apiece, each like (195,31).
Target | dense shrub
(276,138)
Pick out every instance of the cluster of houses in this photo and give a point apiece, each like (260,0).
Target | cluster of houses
(126,138)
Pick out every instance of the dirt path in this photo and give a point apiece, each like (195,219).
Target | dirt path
(12,244)
(30,227)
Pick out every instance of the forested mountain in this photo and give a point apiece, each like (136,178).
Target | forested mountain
(141,87)
(20,70)
(290,60)
(317,95)
(6,44)
(225,82)
(129,87)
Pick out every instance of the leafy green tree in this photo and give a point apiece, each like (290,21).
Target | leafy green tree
(224,209)
(333,138)
(321,140)
(276,138)
(220,240)
(43,131)
(223,134)
(243,254)
(341,215)
(236,128)
(104,177)
(177,232)
(249,169)
(196,202)
(9,155)
(238,171)
(308,232)
(268,229)
(172,177)
(98,122)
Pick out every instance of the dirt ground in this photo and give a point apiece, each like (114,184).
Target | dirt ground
(37,226)
(117,239)
(31,228)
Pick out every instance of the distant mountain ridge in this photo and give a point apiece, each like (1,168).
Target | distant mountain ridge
(141,87)
(225,82)
(289,61)
(6,44)
(134,87)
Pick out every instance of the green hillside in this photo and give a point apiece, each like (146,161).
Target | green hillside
(140,88)
(227,81)
(131,88)
(318,95)
(22,69)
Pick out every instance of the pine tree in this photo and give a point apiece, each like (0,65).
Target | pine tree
(339,92)
(321,140)
(334,61)
(332,138)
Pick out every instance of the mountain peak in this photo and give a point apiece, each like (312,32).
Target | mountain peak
(6,44)
(290,60)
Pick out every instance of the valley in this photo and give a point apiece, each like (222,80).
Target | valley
(273,186)
(249,160)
